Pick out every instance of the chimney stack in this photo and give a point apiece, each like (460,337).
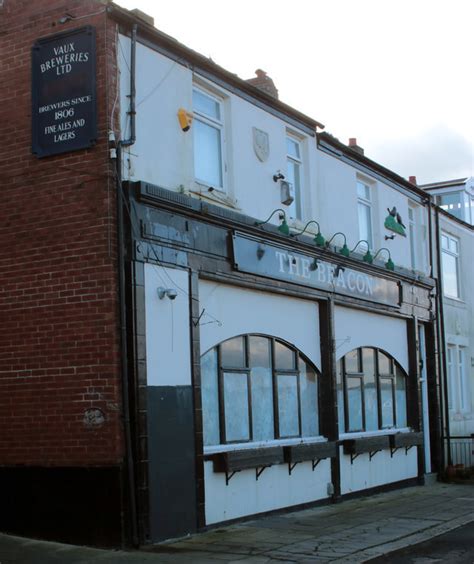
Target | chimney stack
(264,83)
(412,180)
(150,20)
(353,145)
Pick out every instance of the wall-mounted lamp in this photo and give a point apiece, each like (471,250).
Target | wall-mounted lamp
(314,265)
(338,270)
(278,176)
(368,256)
(389,265)
(319,240)
(260,252)
(169,292)
(66,18)
(283,228)
(344,250)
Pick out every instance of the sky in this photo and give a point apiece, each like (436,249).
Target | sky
(395,74)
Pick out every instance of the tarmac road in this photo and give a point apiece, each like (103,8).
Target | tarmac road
(457,546)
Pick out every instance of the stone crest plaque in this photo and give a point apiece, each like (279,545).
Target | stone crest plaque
(261,144)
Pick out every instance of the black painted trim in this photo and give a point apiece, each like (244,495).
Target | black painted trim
(195,336)
(328,387)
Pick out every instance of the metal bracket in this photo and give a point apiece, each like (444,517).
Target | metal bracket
(291,467)
(354,456)
(373,453)
(314,464)
(393,451)
(228,476)
(258,471)
(407,448)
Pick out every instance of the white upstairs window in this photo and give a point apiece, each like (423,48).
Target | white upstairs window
(412,236)
(294,174)
(450,265)
(208,129)
(464,390)
(364,210)
(458,380)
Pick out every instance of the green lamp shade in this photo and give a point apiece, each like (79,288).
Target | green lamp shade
(389,265)
(368,257)
(283,228)
(345,250)
(319,240)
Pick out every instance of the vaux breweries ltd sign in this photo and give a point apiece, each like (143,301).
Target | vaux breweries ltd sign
(257,257)
(64,116)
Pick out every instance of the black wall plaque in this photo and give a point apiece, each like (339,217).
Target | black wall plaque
(64,114)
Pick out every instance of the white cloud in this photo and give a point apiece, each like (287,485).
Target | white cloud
(435,154)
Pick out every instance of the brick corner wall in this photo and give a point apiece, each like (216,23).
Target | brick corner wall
(59,329)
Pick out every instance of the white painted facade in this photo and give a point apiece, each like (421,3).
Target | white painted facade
(167,328)
(364,473)
(459,332)
(290,319)
(356,329)
(163,155)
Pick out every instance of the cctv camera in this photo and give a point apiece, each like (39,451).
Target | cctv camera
(170,292)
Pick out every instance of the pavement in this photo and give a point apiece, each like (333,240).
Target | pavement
(352,531)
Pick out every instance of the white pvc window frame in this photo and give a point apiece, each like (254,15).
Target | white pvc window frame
(459,392)
(365,211)
(450,254)
(413,235)
(216,123)
(294,160)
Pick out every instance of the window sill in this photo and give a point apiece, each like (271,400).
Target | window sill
(365,434)
(209,450)
(363,445)
(237,460)
(305,452)
(214,195)
(406,440)
(457,301)
(371,444)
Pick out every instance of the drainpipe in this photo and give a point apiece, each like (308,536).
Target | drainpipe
(123,310)
(442,341)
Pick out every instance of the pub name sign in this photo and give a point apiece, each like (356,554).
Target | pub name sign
(260,258)
(64,114)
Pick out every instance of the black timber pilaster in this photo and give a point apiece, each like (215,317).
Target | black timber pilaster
(414,405)
(434,395)
(328,392)
(138,392)
(196,380)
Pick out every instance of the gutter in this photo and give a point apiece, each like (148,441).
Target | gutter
(442,348)
(177,51)
(329,144)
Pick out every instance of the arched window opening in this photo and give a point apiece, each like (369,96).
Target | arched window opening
(256,388)
(371,391)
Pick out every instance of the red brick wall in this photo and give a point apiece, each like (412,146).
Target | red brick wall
(59,339)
